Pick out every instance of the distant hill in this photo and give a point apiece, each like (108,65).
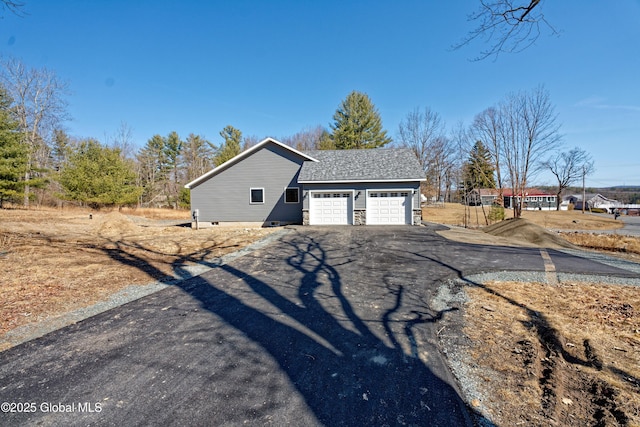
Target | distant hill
(625,187)
(621,193)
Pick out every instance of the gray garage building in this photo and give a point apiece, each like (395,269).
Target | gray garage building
(274,184)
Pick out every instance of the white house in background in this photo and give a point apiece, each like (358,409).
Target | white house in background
(594,200)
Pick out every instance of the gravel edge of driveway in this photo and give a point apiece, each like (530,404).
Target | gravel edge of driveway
(126,295)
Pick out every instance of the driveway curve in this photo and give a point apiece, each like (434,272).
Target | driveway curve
(326,326)
(631,225)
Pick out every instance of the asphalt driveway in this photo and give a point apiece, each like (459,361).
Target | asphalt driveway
(327,326)
(631,225)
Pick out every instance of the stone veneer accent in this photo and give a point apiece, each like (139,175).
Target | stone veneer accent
(417,216)
(359,217)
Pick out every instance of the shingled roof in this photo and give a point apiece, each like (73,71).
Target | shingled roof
(380,164)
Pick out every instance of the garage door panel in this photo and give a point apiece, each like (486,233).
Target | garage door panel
(388,207)
(330,208)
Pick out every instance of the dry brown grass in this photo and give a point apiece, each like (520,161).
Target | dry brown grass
(568,353)
(553,355)
(608,242)
(69,210)
(454,214)
(53,261)
(158,213)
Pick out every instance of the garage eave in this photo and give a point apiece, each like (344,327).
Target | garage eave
(349,181)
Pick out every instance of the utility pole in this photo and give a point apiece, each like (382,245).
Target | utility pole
(584,194)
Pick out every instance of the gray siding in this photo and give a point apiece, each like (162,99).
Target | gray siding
(362,187)
(225,196)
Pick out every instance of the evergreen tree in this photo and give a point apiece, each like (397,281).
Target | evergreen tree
(61,150)
(326,142)
(172,149)
(357,124)
(153,168)
(98,176)
(479,169)
(231,146)
(13,154)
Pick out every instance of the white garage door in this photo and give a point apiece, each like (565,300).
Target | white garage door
(330,208)
(388,207)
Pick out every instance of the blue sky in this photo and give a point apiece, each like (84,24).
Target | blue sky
(275,68)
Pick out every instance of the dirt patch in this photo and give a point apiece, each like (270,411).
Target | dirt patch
(512,232)
(524,230)
(52,262)
(555,355)
(466,235)
(114,224)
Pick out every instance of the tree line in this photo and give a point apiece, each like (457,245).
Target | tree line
(503,147)
(40,163)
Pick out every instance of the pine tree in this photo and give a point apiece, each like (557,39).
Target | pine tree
(98,176)
(479,170)
(172,149)
(326,142)
(13,154)
(357,124)
(61,150)
(231,146)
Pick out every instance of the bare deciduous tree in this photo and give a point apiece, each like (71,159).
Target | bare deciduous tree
(419,131)
(461,142)
(423,131)
(528,130)
(486,128)
(197,156)
(39,108)
(439,169)
(12,6)
(307,139)
(507,26)
(122,140)
(568,167)
(250,141)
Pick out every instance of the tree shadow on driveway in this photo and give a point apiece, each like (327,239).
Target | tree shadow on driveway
(323,327)
(351,353)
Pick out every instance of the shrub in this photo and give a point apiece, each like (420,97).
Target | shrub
(496,213)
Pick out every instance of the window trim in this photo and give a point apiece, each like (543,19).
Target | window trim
(251,202)
(297,195)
